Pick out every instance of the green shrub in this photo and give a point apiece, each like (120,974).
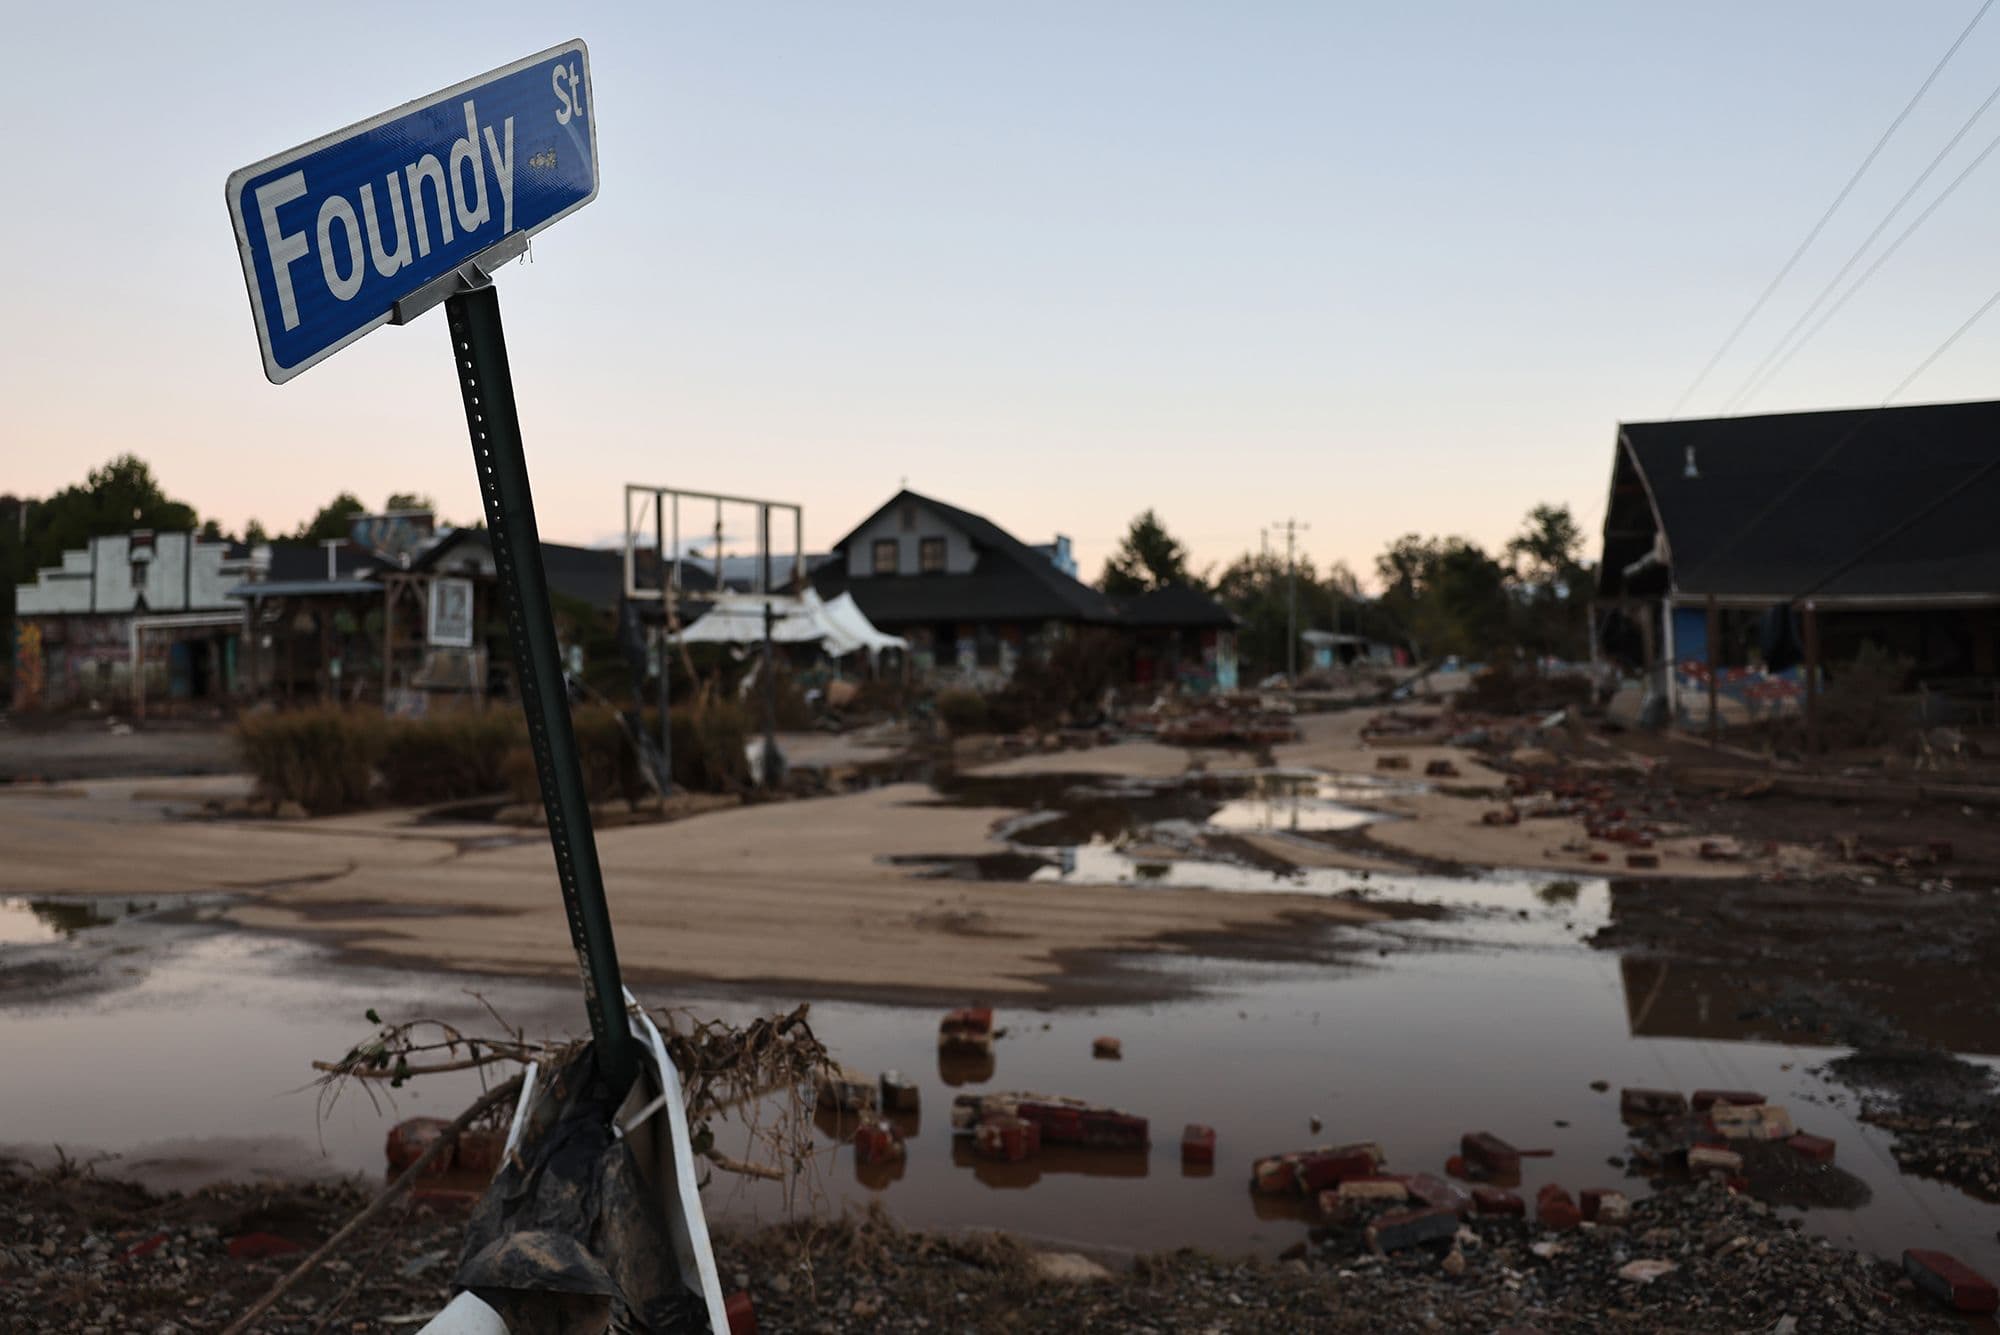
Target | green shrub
(449,756)
(962,711)
(323,758)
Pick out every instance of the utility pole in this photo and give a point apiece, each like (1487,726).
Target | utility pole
(1291,527)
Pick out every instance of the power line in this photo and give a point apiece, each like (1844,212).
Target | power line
(1745,392)
(1880,260)
(1826,457)
(1831,209)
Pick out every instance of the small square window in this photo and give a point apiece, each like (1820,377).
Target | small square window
(930,556)
(887,557)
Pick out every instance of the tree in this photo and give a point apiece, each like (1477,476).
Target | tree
(1550,584)
(333,519)
(117,498)
(409,500)
(1148,558)
(253,533)
(211,531)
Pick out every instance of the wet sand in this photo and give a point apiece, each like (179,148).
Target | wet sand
(792,893)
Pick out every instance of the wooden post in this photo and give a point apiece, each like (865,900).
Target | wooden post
(391,588)
(325,673)
(1714,669)
(1810,620)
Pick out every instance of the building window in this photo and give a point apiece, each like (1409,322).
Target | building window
(930,556)
(886,556)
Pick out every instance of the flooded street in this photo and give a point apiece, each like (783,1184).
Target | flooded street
(182,1045)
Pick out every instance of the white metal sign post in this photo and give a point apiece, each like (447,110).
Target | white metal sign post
(379,222)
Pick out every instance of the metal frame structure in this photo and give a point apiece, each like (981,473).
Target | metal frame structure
(667,538)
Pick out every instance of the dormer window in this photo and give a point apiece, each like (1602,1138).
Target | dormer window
(930,556)
(887,557)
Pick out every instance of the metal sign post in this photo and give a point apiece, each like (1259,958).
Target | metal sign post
(487,385)
(377,223)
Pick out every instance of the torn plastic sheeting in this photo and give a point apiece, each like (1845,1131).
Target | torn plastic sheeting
(583,1229)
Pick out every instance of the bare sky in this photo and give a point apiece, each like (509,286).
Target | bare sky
(1384,267)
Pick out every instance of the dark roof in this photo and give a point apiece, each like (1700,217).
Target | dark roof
(1175,606)
(1010,580)
(307,561)
(1876,503)
(595,575)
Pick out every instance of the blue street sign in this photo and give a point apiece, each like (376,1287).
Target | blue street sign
(335,233)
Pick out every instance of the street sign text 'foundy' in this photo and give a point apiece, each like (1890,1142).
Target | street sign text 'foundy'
(333,234)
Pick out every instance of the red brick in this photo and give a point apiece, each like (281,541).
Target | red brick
(1387,1187)
(1817,1148)
(1408,1228)
(1651,1102)
(1008,1138)
(1439,1194)
(1276,1175)
(900,1093)
(1951,1280)
(1104,1129)
(1492,1200)
(1319,1171)
(1603,1205)
(968,1030)
(1704,1099)
(1106,1046)
(409,1139)
(1198,1144)
(877,1142)
(1490,1153)
(1555,1209)
(741,1315)
(479,1149)
(1642,861)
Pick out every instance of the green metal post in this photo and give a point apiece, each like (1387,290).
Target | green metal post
(479,350)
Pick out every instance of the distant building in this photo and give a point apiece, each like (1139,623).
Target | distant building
(971,598)
(128,616)
(1330,649)
(1795,531)
(974,601)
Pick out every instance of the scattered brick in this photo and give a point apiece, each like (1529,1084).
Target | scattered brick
(1392,762)
(410,1138)
(1490,1153)
(900,1094)
(1642,861)
(847,1090)
(1709,1159)
(1754,1121)
(1602,1205)
(1330,1168)
(1704,1099)
(1008,1138)
(479,1150)
(1503,816)
(877,1142)
(1433,1191)
(1107,1047)
(1198,1144)
(1495,1201)
(1951,1281)
(1409,1228)
(741,1315)
(1372,1189)
(1651,1102)
(1556,1209)
(1441,769)
(1816,1148)
(1275,1176)
(968,1030)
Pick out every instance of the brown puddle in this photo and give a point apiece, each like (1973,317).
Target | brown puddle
(189,1055)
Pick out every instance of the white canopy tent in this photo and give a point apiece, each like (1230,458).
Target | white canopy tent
(839,627)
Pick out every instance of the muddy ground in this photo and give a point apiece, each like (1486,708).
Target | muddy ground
(79,1253)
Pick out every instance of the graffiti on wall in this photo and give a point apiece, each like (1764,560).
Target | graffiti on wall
(29,683)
